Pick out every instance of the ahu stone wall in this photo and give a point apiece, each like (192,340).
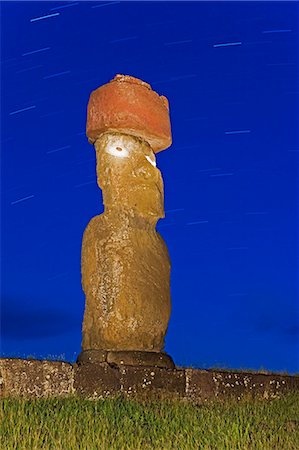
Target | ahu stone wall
(25,378)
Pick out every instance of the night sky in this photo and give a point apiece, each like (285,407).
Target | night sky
(230,73)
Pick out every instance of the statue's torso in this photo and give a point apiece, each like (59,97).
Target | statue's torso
(126,279)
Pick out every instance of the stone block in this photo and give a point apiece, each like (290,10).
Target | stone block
(152,383)
(35,379)
(204,385)
(58,379)
(96,380)
(137,358)
(250,384)
(92,356)
(200,385)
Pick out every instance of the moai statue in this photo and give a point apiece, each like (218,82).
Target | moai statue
(125,262)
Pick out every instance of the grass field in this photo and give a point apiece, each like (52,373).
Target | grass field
(126,424)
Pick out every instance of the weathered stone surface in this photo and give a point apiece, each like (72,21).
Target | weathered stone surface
(131,358)
(204,385)
(200,385)
(241,384)
(129,106)
(92,356)
(125,262)
(96,380)
(34,378)
(1,380)
(151,383)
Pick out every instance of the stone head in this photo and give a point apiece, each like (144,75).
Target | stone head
(128,176)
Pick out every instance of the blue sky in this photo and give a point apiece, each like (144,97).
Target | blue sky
(230,73)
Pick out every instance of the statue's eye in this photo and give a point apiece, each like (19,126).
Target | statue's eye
(118,151)
(152,161)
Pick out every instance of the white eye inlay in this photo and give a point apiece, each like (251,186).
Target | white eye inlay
(153,162)
(118,151)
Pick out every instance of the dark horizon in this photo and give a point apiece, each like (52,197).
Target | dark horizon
(230,73)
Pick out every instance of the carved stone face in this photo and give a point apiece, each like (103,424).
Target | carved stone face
(128,176)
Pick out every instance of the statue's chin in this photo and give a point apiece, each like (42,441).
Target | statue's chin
(145,200)
(146,213)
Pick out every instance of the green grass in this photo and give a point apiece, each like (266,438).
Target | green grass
(110,424)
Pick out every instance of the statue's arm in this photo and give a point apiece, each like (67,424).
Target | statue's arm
(164,248)
(88,254)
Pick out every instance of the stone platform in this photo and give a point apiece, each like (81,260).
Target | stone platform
(22,378)
(127,358)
